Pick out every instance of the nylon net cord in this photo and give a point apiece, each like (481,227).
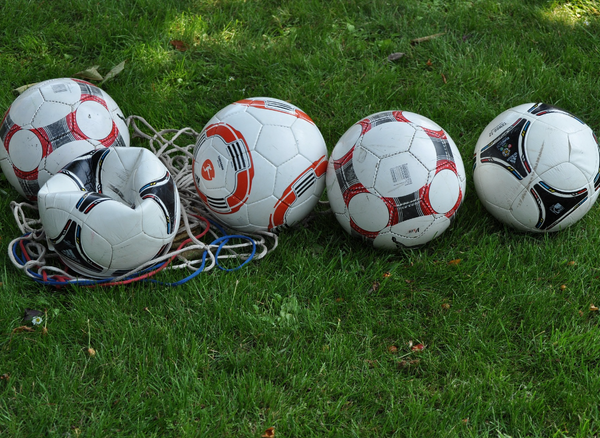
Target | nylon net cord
(41,262)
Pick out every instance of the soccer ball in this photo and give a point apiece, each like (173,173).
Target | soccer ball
(52,123)
(110,211)
(536,168)
(395,179)
(259,164)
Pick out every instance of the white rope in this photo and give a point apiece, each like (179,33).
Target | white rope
(178,160)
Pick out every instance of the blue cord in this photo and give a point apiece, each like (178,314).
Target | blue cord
(50,282)
(221,241)
(224,240)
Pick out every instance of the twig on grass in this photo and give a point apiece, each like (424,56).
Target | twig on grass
(426,38)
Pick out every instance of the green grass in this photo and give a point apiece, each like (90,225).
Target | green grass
(314,340)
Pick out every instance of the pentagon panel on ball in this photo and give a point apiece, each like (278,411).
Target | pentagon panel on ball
(395,179)
(52,123)
(259,164)
(110,211)
(536,168)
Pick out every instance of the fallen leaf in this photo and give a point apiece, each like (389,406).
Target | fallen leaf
(445,306)
(395,56)
(23,88)
(393,349)
(407,363)
(5,376)
(418,347)
(593,308)
(429,63)
(563,286)
(387,275)
(179,45)
(269,433)
(426,38)
(572,263)
(114,71)
(23,328)
(371,363)
(90,74)
(444,78)
(455,262)
(91,352)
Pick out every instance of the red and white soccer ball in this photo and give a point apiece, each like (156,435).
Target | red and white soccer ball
(395,179)
(259,164)
(52,123)
(536,168)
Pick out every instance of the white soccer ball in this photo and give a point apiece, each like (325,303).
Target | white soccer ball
(259,164)
(52,123)
(110,211)
(395,179)
(536,168)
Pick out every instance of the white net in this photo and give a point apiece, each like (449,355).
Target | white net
(201,243)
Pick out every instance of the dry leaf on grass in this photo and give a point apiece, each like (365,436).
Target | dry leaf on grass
(114,71)
(395,56)
(179,45)
(91,74)
(269,433)
(23,328)
(407,363)
(418,347)
(23,88)
(371,363)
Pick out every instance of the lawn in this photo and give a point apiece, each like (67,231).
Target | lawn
(483,332)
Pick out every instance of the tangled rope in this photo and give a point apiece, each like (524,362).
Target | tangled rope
(190,250)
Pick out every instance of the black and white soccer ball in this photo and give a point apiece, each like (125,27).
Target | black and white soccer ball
(536,168)
(52,123)
(395,179)
(110,211)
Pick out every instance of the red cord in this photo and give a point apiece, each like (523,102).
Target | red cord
(164,265)
(60,278)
